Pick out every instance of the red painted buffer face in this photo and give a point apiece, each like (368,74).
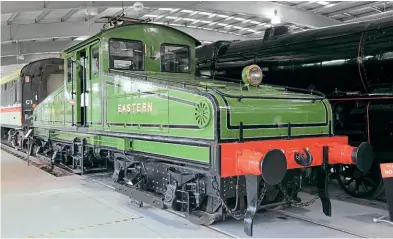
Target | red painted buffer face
(272,158)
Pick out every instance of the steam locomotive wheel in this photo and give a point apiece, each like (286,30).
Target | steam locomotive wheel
(358,184)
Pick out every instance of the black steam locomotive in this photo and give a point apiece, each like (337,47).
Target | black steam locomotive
(352,64)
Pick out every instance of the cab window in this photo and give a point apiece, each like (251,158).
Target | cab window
(175,58)
(125,55)
(95,60)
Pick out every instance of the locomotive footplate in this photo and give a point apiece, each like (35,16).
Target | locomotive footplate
(181,203)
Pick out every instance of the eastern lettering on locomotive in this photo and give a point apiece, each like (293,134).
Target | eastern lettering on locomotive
(135,108)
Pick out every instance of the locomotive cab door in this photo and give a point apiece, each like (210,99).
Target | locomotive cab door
(81,88)
(77,81)
(95,94)
(70,104)
(84,97)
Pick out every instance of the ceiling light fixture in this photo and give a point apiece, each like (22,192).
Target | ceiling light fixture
(323,2)
(91,12)
(223,16)
(205,13)
(138,6)
(239,19)
(165,9)
(275,19)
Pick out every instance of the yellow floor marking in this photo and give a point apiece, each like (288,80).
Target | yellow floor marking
(78,228)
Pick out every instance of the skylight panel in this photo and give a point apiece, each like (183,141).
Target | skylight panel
(205,13)
(323,3)
(223,16)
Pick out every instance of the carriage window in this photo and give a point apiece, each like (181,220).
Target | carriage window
(95,61)
(175,58)
(125,55)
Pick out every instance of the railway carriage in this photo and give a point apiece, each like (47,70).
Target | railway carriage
(207,148)
(21,91)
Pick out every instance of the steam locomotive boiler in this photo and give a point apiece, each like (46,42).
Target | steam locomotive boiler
(351,64)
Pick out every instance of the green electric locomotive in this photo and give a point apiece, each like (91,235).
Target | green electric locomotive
(207,148)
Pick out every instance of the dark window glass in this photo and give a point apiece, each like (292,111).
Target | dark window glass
(125,55)
(175,58)
(69,72)
(95,61)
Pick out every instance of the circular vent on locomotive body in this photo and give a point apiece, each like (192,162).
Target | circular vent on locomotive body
(202,114)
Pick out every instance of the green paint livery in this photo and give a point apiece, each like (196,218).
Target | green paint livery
(167,114)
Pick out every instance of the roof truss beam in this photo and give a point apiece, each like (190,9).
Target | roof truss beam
(351,8)
(261,9)
(42,15)
(69,14)
(12,18)
(34,47)
(11,60)
(370,17)
(30,32)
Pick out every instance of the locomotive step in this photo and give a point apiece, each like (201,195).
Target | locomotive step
(139,197)
(89,170)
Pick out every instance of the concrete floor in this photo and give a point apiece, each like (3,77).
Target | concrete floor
(37,204)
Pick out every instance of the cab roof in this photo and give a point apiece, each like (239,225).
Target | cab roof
(96,36)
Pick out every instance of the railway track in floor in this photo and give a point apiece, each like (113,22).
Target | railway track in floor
(60,171)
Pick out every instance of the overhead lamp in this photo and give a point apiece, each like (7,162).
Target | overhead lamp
(275,19)
(323,2)
(138,7)
(91,12)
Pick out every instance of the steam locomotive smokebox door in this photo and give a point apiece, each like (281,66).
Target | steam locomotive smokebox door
(387,175)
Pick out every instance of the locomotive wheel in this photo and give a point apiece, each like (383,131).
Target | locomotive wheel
(358,184)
